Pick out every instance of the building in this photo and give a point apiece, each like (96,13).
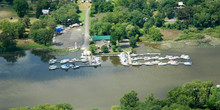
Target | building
(99,38)
(45,11)
(180,5)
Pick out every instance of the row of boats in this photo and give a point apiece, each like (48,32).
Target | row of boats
(126,59)
(186,57)
(53,61)
(161,63)
(65,67)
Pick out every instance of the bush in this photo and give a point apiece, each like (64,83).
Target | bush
(104,48)
(113,48)
(154,34)
(93,48)
(190,36)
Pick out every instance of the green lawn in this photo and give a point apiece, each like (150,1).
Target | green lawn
(82,16)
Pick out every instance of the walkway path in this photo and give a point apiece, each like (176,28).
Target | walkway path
(86,35)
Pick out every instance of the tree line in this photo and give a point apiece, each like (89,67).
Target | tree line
(193,95)
(134,18)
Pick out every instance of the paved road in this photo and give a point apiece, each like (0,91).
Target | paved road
(86,34)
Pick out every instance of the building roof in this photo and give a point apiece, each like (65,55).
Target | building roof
(180,3)
(101,37)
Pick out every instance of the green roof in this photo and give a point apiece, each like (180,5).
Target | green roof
(101,37)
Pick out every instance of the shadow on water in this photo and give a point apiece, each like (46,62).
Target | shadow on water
(12,57)
(43,54)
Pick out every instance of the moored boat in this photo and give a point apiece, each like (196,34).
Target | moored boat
(136,63)
(65,67)
(52,61)
(64,61)
(148,63)
(53,67)
(187,63)
(162,64)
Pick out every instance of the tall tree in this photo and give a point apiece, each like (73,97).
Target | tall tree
(20,7)
(129,101)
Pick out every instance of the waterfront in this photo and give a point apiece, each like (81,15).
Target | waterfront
(28,82)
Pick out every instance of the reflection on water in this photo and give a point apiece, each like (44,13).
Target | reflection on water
(28,82)
(12,56)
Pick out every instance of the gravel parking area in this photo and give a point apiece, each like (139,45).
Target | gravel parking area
(67,40)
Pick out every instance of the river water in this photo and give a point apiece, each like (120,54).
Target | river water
(26,81)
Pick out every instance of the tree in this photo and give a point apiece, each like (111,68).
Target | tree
(202,20)
(154,34)
(26,21)
(137,18)
(104,48)
(148,24)
(21,7)
(41,4)
(129,101)
(42,36)
(132,42)
(93,48)
(8,41)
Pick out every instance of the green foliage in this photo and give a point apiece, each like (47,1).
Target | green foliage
(101,6)
(7,41)
(42,4)
(69,14)
(20,7)
(137,18)
(93,48)
(148,24)
(15,29)
(190,36)
(129,101)
(132,42)
(99,28)
(25,21)
(114,48)
(42,36)
(104,48)
(179,25)
(64,106)
(154,34)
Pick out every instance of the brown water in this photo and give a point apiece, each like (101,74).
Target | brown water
(26,81)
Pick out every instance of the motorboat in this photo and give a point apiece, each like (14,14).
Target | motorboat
(84,60)
(134,59)
(64,61)
(186,57)
(71,65)
(133,55)
(53,67)
(75,67)
(83,57)
(148,63)
(155,62)
(72,60)
(168,56)
(187,63)
(147,58)
(176,57)
(161,58)
(52,61)
(172,58)
(136,63)
(174,63)
(65,67)
(162,64)
(155,57)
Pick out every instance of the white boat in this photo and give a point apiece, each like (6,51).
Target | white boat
(155,57)
(161,58)
(52,61)
(147,58)
(174,63)
(133,55)
(84,60)
(83,57)
(52,67)
(75,67)
(168,56)
(186,57)
(134,59)
(64,61)
(72,60)
(136,63)
(155,62)
(65,67)
(176,57)
(172,58)
(148,63)
(187,63)
(162,64)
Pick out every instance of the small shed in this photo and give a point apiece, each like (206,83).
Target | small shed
(99,38)
(45,11)
(180,4)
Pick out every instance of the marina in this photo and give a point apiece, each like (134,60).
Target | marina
(128,59)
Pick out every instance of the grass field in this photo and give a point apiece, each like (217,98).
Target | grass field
(7,12)
(170,34)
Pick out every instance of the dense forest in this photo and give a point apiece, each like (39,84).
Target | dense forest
(134,18)
(194,95)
